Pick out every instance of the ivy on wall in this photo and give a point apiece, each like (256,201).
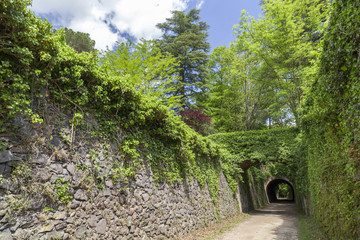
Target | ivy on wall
(39,69)
(331,126)
(279,153)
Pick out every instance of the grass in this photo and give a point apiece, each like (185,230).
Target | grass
(308,229)
(210,232)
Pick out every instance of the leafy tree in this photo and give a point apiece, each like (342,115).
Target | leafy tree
(236,96)
(185,37)
(285,41)
(217,102)
(80,41)
(145,67)
(196,120)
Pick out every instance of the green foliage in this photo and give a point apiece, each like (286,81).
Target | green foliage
(238,90)
(309,229)
(80,41)
(39,69)
(331,126)
(145,67)
(185,38)
(49,209)
(283,191)
(61,188)
(25,47)
(260,79)
(262,146)
(277,150)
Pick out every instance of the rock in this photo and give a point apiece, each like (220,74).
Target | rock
(59,216)
(109,183)
(36,204)
(27,133)
(6,156)
(82,214)
(28,222)
(21,234)
(53,179)
(3,205)
(162,229)
(149,228)
(101,226)
(137,194)
(70,220)
(106,192)
(132,229)
(81,232)
(146,197)
(6,235)
(65,172)
(15,227)
(124,231)
(47,228)
(54,235)
(55,141)
(74,204)
(42,160)
(81,195)
(92,221)
(5,170)
(5,226)
(66,236)
(57,168)
(71,168)
(60,226)
(43,175)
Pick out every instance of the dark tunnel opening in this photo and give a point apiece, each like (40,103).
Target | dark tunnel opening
(280,190)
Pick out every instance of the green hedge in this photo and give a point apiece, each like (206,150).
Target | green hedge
(260,146)
(332,126)
(280,152)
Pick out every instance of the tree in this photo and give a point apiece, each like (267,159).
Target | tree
(237,93)
(80,41)
(197,121)
(286,41)
(185,37)
(145,67)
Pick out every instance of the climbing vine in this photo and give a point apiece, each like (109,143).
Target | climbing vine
(331,126)
(39,69)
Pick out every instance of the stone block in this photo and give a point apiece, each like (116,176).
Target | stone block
(101,226)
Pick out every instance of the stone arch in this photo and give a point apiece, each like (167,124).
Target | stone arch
(272,183)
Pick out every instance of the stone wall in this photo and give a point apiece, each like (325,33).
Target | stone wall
(91,208)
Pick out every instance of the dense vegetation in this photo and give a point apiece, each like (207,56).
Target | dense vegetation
(331,125)
(185,37)
(289,82)
(259,80)
(39,69)
(277,152)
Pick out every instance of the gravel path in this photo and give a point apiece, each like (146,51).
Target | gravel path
(277,221)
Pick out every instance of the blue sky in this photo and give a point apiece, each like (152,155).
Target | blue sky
(222,15)
(108,21)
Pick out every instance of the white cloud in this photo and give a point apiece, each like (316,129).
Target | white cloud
(200,4)
(135,17)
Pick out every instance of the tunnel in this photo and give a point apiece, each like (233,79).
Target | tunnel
(280,190)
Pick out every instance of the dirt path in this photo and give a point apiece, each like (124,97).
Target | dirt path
(277,221)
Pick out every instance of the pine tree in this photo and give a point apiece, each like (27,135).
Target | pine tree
(185,37)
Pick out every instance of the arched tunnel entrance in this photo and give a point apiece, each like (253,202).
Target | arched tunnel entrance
(280,189)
